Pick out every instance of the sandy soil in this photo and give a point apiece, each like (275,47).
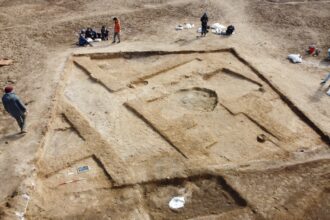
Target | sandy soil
(153,126)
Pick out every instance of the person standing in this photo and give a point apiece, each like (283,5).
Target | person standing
(325,79)
(14,107)
(204,20)
(117,30)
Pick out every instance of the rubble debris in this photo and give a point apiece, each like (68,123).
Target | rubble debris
(6,62)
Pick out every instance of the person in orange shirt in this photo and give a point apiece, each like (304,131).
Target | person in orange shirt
(116,30)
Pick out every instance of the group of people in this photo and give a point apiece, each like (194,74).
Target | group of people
(15,107)
(89,35)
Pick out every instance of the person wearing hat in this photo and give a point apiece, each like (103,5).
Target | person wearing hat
(14,107)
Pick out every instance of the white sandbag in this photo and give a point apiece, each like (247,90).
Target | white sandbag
(184,26)
(188,26)
(295,58)
(199,30)
(218,26)
(89,40)
(177,202)
(215,26)
(219,31)
(98,40)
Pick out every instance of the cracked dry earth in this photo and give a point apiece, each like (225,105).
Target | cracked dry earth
(152,125)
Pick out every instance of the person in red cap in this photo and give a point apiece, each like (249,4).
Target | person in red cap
(117,30)
(14,107)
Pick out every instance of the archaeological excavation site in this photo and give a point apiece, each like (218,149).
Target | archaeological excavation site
(151,125)
(177,120)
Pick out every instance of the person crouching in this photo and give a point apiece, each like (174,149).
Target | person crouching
(104,33)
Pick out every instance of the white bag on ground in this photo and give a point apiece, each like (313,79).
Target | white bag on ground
(188,26)
(199,30)
(295,58)
(177,202)
(219,31)
(215,26)
(218,28)
(184,26)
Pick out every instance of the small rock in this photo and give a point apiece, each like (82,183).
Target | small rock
(261,138)
(131,86)
(261,89)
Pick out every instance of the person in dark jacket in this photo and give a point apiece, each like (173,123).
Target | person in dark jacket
(14,107)
(204,20)
(88,33)
(82,41)
(104,33)
(94,34)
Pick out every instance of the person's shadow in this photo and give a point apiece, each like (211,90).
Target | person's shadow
(318,94)
(325,62)
(11,137)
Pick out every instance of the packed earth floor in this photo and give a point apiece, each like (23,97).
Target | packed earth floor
(115,131)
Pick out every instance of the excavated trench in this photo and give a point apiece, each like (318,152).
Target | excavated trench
(140,144)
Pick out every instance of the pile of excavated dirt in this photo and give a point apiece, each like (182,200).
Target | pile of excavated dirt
(115,131)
